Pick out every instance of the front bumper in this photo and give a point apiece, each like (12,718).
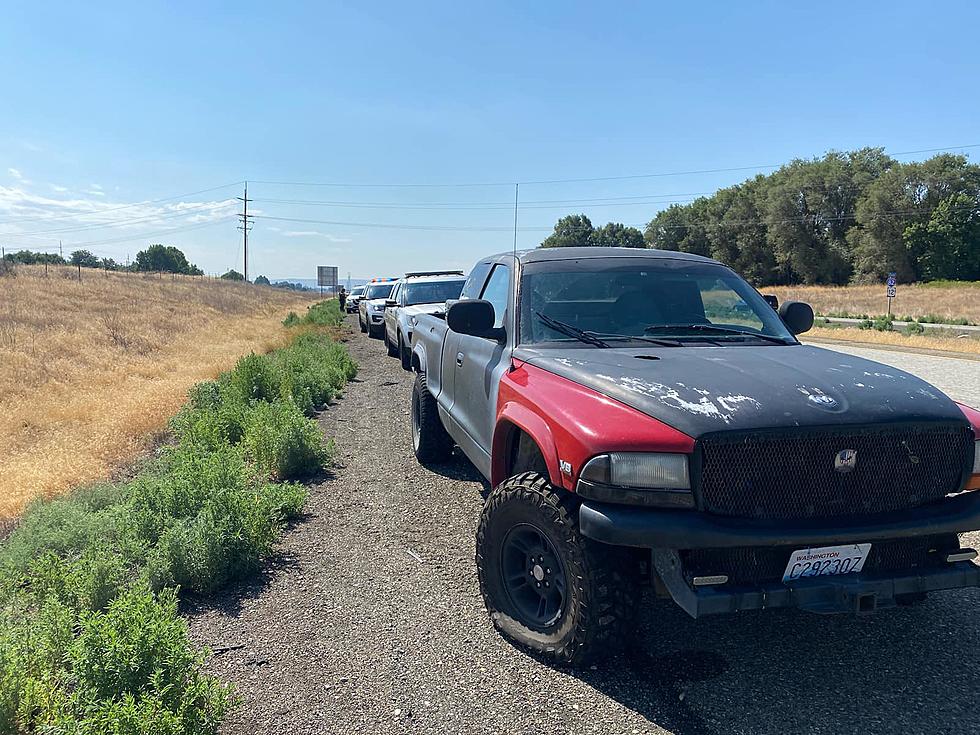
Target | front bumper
(854,593)
(666,532)
(623,525)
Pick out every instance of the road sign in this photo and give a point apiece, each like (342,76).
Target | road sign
(892,279)
(891,290)
(326,276)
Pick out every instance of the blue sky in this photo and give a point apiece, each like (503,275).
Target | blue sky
(108,107)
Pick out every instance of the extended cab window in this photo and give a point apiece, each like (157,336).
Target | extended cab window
(652,298)
(475,281)
(496,292)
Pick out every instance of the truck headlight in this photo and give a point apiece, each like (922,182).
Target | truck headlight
(638,478)
(973,481)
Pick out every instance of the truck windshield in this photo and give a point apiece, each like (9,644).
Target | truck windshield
(434,292)
(378,291)
(638,298)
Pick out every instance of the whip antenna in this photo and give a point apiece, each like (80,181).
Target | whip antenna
(517,192)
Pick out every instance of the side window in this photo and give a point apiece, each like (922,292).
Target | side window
(396,293)
(474,284)
(496,292)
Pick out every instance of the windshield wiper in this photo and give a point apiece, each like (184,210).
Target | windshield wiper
(717,330)
(650,340)
(567,329)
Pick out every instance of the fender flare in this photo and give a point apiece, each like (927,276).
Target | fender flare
(515,415)
(419,353)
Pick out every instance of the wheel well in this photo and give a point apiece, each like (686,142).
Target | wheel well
(416,363)
(524,455)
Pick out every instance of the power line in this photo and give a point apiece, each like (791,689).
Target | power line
(190,210)
(127,206)
(626,177)
(811,218)
(491,206)
(140,236)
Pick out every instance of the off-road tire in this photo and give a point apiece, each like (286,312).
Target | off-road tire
(374,332)
(389,345)
(404,353)
(430,440)
(360,323)
(601,590)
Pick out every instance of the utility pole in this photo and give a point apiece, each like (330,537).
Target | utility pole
(61,253)
(245,225)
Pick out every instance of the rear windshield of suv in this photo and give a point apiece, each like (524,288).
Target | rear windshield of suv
(378,291)
(433,292)
(654,298)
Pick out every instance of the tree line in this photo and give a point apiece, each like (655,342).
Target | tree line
(155,259)
(846,217)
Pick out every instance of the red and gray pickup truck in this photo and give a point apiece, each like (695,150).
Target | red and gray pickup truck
(648,417)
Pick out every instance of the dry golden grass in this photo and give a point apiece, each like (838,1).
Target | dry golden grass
(92,370)
(948,301)
(897,339)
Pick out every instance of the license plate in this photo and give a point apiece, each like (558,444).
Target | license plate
(826,561)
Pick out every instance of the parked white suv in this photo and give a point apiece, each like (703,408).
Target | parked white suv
(416,293)
(371,307)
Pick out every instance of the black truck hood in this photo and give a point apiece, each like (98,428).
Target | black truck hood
(698,390)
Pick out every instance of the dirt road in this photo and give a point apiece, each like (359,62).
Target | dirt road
(371,622)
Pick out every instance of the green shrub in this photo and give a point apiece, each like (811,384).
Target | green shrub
(866,324)
(323,314)
(90,640)
(882,323)
(283,443)
(914,328)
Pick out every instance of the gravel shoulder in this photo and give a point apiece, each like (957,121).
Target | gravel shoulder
(370,621)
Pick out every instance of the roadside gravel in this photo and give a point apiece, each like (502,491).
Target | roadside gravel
(370,621)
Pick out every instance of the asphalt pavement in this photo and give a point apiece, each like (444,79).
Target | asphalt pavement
(958,377)
(370,621)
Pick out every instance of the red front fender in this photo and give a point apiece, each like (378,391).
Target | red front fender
(571,424)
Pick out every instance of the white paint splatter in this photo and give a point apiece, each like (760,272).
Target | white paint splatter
(722,407)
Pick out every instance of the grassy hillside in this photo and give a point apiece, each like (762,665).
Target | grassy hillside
(939,301)
(93,369)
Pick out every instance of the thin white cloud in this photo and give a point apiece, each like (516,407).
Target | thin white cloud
(315,233)
(15,173)
(95,192)
(58,189)
(97,187)
(33,215)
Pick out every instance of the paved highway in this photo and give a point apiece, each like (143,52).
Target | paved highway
(957,377)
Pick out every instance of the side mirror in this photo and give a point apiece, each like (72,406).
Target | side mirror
(474,317)
(390,302)
(797,315)
(773,301)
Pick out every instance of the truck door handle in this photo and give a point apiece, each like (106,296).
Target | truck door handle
(459,359)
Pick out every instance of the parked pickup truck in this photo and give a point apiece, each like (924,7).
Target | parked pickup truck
(647,416)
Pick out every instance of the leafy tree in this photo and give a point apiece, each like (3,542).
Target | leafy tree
(232,275)
(262,281)
(85,259)
(575,230)
(810,207)
(902,198)
(165,259)
(616,235)
(29,257)
(948,245)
